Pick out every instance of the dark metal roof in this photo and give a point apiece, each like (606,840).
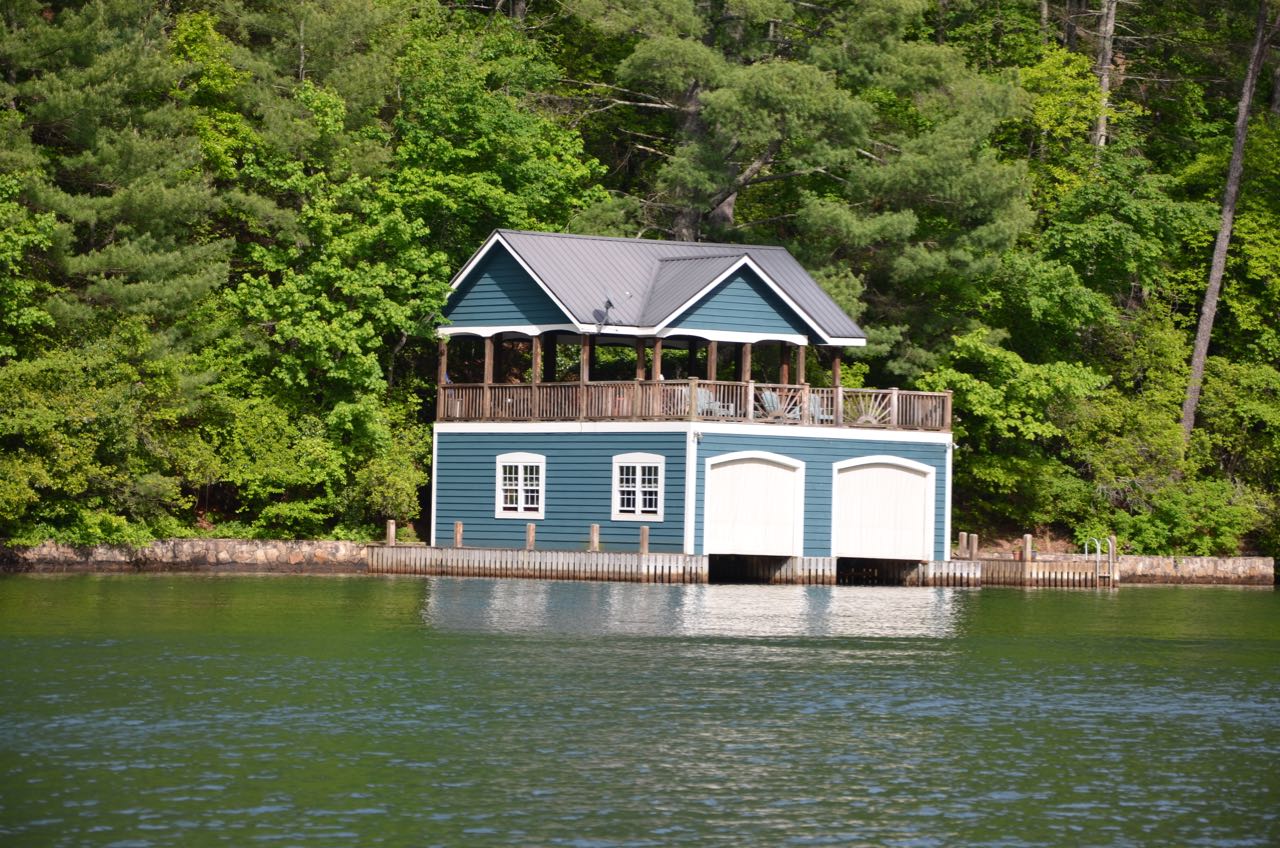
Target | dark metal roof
(677,279)
(647,280)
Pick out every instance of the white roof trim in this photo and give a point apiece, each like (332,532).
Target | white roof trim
(768,281)
(496,238)
(494,329)
(864,434)
(733,336)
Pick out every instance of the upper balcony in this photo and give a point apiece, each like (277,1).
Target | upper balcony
(696,400)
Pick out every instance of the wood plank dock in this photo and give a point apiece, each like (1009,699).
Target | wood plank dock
(637,567)
(616,566)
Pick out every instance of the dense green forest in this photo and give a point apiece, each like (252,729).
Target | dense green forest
(227,230)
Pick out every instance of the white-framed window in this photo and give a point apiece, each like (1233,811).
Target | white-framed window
(638,486)
(520,486)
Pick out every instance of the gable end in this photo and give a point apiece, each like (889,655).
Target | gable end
(742,302)
(498,291)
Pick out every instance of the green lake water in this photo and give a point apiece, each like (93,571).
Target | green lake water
(186,711)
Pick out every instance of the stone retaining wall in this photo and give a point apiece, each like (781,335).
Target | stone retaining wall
(1244,571)
(1251,571)
(201,555)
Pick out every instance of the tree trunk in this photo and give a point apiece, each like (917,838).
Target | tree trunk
(1263,33)
(1275,90)
(1106,37)
(687,225)
(1044,21)
(1070,33)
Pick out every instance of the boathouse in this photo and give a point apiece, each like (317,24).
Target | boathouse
(660,390)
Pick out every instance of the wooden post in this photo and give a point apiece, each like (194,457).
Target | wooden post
(835,368)
(963,548)
(457,534)
(391,532)
(594,543)
(535,375)
(693,398)
(946,413)
(530,536)
(973,546)
(485,402)
(893,408)
(713,354)
(644,538)
(1026,547)
(657,360)
(691,361)
(584,373)
(806,413)
(746,363)
(442,380)
(839,406)
(639,359)
(784,367)
(751,399)
(801,356)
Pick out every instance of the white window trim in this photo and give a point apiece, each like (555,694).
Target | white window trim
(522,460)
(638,459)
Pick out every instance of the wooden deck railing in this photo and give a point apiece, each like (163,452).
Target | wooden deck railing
(697,400)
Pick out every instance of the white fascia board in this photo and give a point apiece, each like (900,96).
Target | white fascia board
(946,515)
(690,490)
(476,259)
(435,501)
(734,428)
(495,239)
(494,329)
(768,281)
(732,336)
(840,342)
(817,432)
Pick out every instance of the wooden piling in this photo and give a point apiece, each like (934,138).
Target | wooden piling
(644,539)
(594,544)
(530,536)
(457,534)
(391,532)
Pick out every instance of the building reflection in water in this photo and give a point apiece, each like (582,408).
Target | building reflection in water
(605,609)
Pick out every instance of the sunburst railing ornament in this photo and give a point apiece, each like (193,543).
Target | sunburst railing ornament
(868,408)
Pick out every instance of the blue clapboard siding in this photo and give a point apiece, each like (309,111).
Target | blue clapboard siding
(579,489)
(739,304)
(498,291)
(819,455)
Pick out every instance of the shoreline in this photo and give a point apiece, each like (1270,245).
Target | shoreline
(247,556)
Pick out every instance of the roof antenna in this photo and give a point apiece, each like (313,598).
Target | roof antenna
(603,317)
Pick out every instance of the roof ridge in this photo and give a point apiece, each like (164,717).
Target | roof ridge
(701,258)
(644,241)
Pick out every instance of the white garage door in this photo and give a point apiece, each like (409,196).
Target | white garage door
(882,508)
(754,504)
